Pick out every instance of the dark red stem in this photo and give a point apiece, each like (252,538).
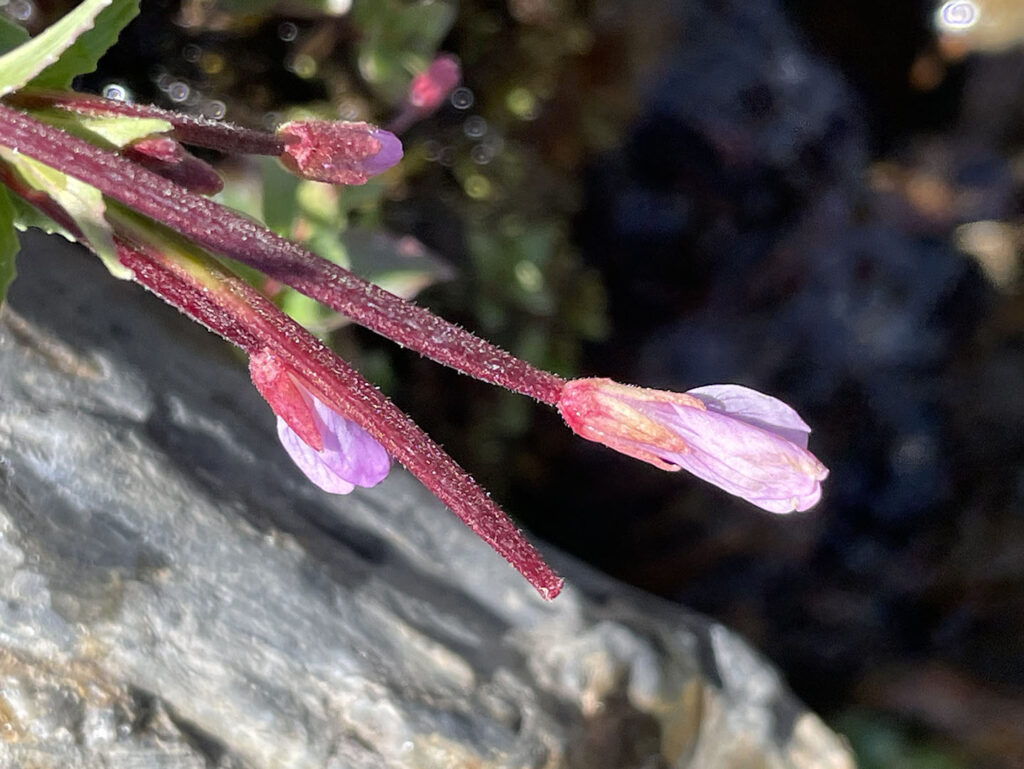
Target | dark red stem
(246,318)
(226,232)
(361,401)
(197,131)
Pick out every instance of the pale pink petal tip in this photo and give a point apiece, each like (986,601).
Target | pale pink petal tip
(747,443)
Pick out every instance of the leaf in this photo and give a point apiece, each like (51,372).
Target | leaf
(11,35)
(396,37)
(280,206)
(108,132)
(400,264)
(8,243)
(82,202)
(19,66)
(83,55)
(27,216)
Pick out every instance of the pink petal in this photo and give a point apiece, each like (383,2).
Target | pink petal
(310,462)
(350,456)
(755,408)
(429,88)
(349,451)
(749,444)
(745,459)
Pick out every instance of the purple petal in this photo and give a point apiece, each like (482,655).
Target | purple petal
(745,459)
(756,409)
(309,461)
(350,456)
(349,451)
(389,154)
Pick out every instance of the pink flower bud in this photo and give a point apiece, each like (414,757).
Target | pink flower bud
(334,452)
(337,152)
(749,444)
(430,87)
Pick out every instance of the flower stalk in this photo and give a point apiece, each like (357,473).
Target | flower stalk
(230,234)
(190,280)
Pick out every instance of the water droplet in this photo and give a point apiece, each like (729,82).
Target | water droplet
(287,31)
(482,154)
(116,91)
(957,16)
(271,120)
(446,156)
(347,110)
(431,150)
(191,53)
(477,187)
(20,10)
(178,91)
(462,98)
(215,109)
(474,127)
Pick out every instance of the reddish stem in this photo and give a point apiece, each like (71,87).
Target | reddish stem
(240,314)
(226,232)
(359,400)
(197,131)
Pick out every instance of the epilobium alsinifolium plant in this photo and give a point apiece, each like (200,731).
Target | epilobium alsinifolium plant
(116,177)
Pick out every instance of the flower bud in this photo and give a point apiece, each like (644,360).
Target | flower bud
(338,152)
(334,452)
(747,443)
(430,87)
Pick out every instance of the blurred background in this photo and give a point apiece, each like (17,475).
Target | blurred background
(821,200)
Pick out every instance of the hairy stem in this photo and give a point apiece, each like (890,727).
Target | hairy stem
(197,131)
(225,232)
(198,286)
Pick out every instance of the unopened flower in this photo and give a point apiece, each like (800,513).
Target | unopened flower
(338,152)
(430,87)
(334,452)
(747,443)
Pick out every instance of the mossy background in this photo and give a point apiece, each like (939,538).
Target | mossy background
(820,200)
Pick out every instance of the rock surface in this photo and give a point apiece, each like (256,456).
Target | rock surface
(174,594)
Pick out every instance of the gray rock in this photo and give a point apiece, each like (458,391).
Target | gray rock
(174,594)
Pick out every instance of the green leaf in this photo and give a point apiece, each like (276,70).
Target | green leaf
(82,202)
(280,206)
(111,133)
(89,45)
(396,37)
(11,35)
(8,243)
(19,66)
(399,264)
(27,216)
